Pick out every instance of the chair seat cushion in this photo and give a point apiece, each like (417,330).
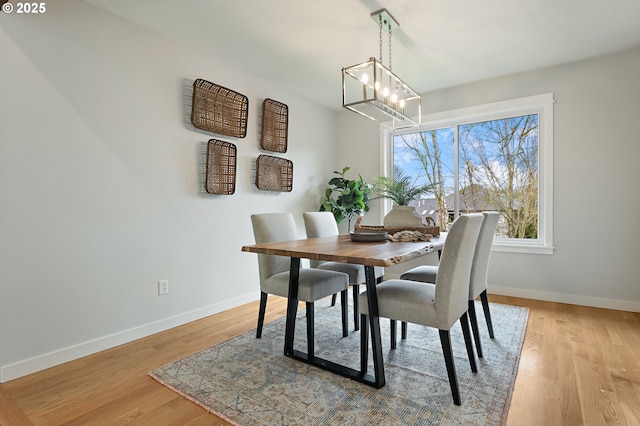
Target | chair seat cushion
(313,284)
(355,272)
(408,301)
(425,274)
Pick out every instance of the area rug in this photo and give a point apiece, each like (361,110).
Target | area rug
(249,381)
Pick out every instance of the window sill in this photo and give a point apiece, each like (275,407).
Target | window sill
(522,248)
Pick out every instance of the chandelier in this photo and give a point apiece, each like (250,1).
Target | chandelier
(374,91)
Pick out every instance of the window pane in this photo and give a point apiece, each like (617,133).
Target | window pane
(498,170)
(428,157)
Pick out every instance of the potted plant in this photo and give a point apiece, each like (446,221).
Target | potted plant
(401,190)
(346,198)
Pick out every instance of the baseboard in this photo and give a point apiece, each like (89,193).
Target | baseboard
(51,359)
(572,299)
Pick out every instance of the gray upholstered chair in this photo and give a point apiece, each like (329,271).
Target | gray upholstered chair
(323,224)
(314,284)
(478,283)
(439,305)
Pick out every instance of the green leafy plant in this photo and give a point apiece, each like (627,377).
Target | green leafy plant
(346,198)
(399,188)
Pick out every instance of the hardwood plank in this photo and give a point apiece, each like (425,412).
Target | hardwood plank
(579,365)
(10,413)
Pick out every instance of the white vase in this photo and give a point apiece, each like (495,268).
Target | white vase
(403,217)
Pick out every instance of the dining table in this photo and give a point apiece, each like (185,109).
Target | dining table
(341,248)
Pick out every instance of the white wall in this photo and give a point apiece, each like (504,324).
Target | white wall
(101,191)
(596,175)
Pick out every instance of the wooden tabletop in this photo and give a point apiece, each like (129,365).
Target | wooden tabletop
(340,248)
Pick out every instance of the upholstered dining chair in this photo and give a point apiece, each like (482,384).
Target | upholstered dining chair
(313,284)
(478,283)
(323,224)
(439,305)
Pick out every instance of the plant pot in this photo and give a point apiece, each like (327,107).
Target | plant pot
(403,216)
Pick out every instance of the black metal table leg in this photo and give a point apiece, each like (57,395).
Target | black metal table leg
(292,305)
(374,322)
(361,376)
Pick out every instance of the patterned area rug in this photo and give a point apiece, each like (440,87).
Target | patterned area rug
(249,381)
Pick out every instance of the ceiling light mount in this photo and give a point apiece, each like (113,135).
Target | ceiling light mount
(374,91)
(388,21)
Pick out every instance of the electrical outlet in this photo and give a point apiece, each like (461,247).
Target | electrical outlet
(163,287)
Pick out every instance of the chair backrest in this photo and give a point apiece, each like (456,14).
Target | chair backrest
(480,266)
(318,225)
(271,228)
(454,270)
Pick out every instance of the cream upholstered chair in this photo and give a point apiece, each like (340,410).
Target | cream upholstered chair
(323,224)
(439,305)
(313,284)
(479,270)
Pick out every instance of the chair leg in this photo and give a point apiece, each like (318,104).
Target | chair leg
(394,332)
(487,314)
(364,343)
(310,337)
(445,340)
(356,307)
(467,342)
(344,300)
(333,299)
(403,328)
(261,311)
(474,326)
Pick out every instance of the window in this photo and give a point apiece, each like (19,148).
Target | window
(491,157)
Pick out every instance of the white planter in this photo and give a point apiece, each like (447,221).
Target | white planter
(403,216)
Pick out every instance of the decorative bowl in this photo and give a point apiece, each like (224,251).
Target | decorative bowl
(368,236)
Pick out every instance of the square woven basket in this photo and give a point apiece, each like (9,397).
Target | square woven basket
(221,167)
(275,126)
(274,174)
(218,109)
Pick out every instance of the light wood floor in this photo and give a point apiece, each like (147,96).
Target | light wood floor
(579,365)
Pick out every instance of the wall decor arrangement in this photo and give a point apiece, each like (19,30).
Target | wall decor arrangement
(221,167)
(274,174)
(218,109)
(275,126)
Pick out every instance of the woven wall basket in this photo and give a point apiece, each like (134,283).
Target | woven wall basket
(221,167)
(218,109)
(274,174)
(275,126)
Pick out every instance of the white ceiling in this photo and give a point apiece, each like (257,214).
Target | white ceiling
(440,43)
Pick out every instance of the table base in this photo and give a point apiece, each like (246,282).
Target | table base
(350,373)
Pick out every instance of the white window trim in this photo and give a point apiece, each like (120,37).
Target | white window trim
(539,104)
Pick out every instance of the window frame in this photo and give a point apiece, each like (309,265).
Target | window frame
(538,104)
